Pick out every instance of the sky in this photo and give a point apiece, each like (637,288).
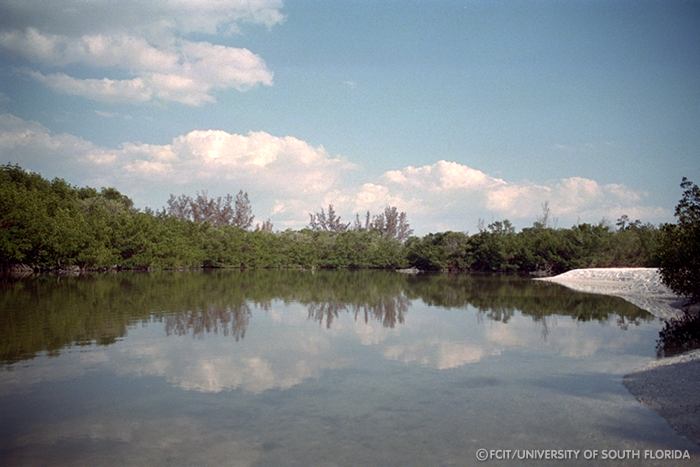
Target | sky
(453,111)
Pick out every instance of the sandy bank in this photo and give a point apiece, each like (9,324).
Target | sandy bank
(671,387)
(639,286)
(668,386)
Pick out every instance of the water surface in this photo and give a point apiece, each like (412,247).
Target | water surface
(325,368)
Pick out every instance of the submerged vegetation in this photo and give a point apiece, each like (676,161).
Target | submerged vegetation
(49,225)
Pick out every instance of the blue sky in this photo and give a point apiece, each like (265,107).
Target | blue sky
(451,110)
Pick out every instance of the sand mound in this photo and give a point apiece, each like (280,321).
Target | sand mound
(639,286)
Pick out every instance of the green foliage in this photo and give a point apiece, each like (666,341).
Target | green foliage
(538,249)
(492,250)
(679,252)
(427,253)
(53,225)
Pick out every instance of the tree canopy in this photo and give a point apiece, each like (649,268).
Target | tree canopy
(215,211)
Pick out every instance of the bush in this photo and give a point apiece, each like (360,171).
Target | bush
(679,250)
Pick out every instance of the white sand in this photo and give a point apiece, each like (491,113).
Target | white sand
(639,286)
(670,386)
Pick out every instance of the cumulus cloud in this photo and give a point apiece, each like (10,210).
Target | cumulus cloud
(159,61)
(182,71)
(286,165)
(285,175)
(288,177)
(446,191)
(441,176)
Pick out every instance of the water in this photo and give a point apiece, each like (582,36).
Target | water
(326,368)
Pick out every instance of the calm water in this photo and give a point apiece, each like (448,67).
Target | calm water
(326,368)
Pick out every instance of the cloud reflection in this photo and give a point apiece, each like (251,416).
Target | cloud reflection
(264,330)
(438,354)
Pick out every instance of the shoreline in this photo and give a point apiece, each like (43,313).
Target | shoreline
(669,386)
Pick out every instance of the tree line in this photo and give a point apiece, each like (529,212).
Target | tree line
(498,248)
(49,225)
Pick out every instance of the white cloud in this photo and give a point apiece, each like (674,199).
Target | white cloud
(97,50)
(373,197)
(287,165)
(516,200)
(287,177)
(32,142)
(623,193)
(153,18)
(441,176)
(158,61)
(107,114)
(225,66)
(105,90)
(447,191)
(181,71)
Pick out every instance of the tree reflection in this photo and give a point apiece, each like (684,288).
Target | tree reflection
(679,336)
(49,313)
(328,311)
(388,311)
(231,321)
